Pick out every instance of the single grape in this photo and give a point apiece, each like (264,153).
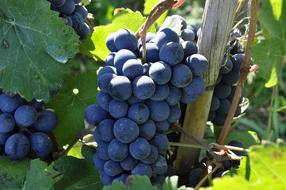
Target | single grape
(215,104)
(105,129)
(68,7)
(193,90)
(132,68)
(219,119)
(46,121)
(152,52)
(139,113)
(104,81)
(3,138)
(222,90)
(125,39)
(118,109)
(163,126)
(106,69)
(143,87)
(224,106)
(7,123)
(102,150)
(82,11)
(128,163)
(190,48)
(25,116)
(198,64)
(110,42)
(188,35)
(161,92)
(121,57)
(142,169)
(164,36)
(172,53)
(174,95)
(182,76)
(160,166)
(17,146)
(97,162)
(195,176)
(105,179)
(161,142)
(109,60)
(103,100)
(95,114)
(9,104)
(237,61)
(231,78)
(146,67)
(112,168)
(125,130)
(77,21)
(152,158)
(175,114)
(117,151)
(147,130)
(140,148)
(159,110)
(120,88)
(41,144)
(227,66)
(160,72)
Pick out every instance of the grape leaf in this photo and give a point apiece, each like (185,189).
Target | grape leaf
(95,47)
(265,169)
(135,183)
(12,173)
(175,22)
(37,178)
(35,42)
(77,93)
(269,52)
(148,5)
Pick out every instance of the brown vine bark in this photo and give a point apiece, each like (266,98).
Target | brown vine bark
(217,23)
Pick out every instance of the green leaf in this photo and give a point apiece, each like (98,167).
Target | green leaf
(37,178)
(135,183)
(96,47)
(269,52)
(77,174)
(247,138)
(35,42)
(175,22)
(265,169)
(69,105)
(148,5)
(12,173)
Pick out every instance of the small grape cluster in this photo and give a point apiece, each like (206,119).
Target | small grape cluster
(75,14)
(139,100)
(226,84)
(25,128)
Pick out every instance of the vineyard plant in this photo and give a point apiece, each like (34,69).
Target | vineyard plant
(142,94)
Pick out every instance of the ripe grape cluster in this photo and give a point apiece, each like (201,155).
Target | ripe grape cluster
(75,14)
(139,100)
(25,128)
(226,83)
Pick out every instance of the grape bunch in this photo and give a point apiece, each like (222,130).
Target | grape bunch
(226,83)
(25,128)
(139,100)
(74,13)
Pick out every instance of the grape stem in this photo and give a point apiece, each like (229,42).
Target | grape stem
(155,13)
(243,74)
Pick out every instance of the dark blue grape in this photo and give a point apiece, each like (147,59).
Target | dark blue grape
(103,100)
(110,42)
(159,110)
(152,52)
(182,76)
(118,109)
(97,162)
(125,130)
(112,168)
(17,146)
(160,72)
(192,91)
(231,78)
(105,129)
(190,48)
(3,138)
(7,123)
(102,150)
(172,53)
(9,104)
(148,130)
(219,119)
(82,11)
(215,103)
(128,163)
(124,39)
(162,126)
(104,81)
(143,87)
(160,166)
(139,113)
(121,57)
(142,169)
(198,64)
(161,142)
(140,149)
(188,35)
(106,69)
(227,66)
(237,61)
(222,90)
(132,68)
(174,95)
(57,3)
(25,116)
(41,144)
(95,114)
(175,114)
(46,121)
(68,7)
(109,60)
(164,36)
(120,88)
(133,100)
(161,92)
(146,67)
(105,179)
(121,178)
(195,176)
(84,32)
(117,151)
(152,158)
(224,106)
(77,21)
